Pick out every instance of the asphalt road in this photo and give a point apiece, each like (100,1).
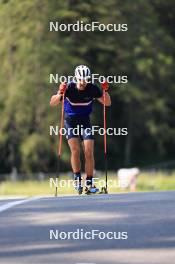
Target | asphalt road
(148,219)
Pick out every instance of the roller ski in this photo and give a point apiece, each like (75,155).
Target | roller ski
(94,190)
(91,190)
(103,190)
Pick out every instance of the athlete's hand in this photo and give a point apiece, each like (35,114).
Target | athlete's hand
(105,86)
(62,88)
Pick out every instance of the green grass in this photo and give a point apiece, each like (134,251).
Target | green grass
(145,182)
(156,182)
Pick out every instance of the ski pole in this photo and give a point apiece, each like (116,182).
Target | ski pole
(105,141)
(60,133)
(105,87)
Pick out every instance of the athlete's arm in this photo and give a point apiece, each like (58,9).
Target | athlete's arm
(56,99)
(107,99)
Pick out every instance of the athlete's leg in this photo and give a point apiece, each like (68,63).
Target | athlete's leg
(74,145)
(88,147)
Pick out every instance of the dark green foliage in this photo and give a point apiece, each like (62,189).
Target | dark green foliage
(29,53)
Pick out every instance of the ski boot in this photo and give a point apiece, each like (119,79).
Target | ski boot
(80,190)
(90,187)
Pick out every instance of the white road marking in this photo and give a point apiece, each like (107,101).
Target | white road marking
(12,204)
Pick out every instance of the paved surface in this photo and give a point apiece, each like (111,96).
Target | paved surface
(148,219)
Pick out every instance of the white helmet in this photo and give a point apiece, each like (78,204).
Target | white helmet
(82,72)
